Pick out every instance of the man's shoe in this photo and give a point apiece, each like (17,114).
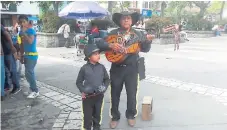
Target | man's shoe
(15,90)
(97,128)
(113,124)
(33,95)
(131,122)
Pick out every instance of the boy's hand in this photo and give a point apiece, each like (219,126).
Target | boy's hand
(16,56)
(83,95)
(22,59)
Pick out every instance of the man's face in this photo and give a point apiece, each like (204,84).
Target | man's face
(23,22)
(95,57)
(126,21)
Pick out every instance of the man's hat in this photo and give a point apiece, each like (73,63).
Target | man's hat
(89,49)
(117,17)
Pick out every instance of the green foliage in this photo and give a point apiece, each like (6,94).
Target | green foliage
(51,22)
(44,5)
(196,24)
(176,9)
(215,7)
(158,23)
(117,6)
(222,22)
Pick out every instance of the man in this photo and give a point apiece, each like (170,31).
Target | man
(65,30)
(127,71)
(94,33)
(7,49)
(77,27)
(183,32)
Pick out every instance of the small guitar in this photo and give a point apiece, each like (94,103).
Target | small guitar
(132,46)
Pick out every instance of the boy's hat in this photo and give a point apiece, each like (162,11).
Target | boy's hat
(89,49)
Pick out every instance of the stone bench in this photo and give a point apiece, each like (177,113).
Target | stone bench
(168,39)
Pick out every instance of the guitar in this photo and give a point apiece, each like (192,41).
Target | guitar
(133,46)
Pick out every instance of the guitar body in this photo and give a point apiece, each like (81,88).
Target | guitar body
(117,57)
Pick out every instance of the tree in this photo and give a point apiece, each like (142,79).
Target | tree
(51,22)
(124,5)
(110,6)
(203,5)
(222,8)
(163,6)
(176,9)
(217,7)
(45,5)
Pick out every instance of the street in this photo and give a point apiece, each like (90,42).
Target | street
(189,87)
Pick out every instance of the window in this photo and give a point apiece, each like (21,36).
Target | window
(150,4)
(145,4)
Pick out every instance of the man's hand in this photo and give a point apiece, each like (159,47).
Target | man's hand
(116,47)
(83,95)
(150,37)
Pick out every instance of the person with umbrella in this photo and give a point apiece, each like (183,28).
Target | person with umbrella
(125,72)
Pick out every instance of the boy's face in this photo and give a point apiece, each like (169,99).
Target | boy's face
(23,22)
(95,57)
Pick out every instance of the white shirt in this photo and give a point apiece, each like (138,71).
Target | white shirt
(65,29)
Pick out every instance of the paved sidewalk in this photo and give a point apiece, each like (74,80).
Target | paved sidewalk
(20,113)
(179,104)
(59,109)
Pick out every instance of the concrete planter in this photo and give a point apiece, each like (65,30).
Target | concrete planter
(200,34)
(167,39)
(52,40)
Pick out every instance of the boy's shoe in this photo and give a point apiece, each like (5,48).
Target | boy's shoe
(15,90)
(97,128)
(33,95)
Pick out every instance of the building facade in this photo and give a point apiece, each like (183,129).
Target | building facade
(9,15)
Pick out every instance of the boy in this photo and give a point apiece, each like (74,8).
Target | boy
(92,82)
(29,54)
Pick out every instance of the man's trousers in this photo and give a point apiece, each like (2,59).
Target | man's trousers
(128,75)
(92,111)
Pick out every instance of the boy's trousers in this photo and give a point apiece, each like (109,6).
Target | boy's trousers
(92,110)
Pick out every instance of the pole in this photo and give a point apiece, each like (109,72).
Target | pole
(85,26)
